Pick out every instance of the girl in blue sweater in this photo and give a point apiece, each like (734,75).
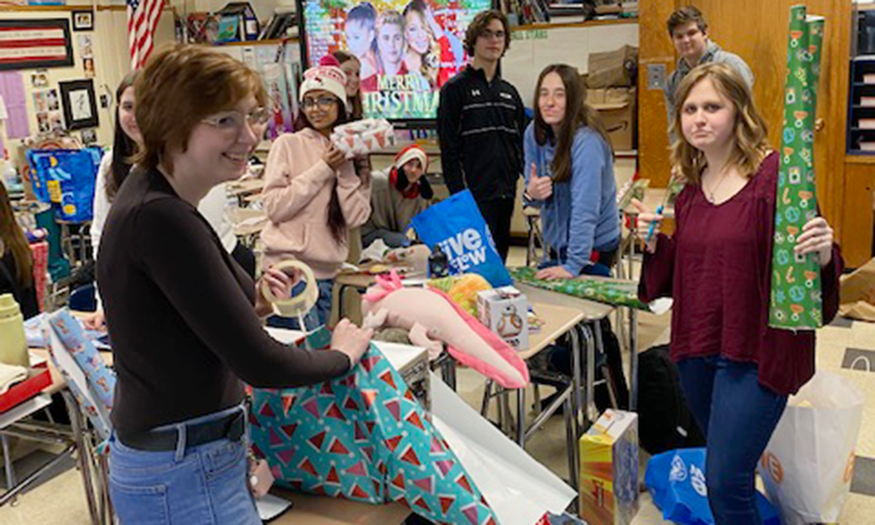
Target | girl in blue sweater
(570,177)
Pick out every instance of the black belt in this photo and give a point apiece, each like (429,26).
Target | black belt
(230,427)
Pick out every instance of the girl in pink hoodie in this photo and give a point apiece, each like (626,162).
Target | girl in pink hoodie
(312,195)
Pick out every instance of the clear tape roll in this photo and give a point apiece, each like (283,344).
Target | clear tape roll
(297,305)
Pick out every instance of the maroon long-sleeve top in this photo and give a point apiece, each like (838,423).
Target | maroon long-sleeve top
(717,268)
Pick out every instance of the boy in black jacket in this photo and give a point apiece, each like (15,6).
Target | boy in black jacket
(481,119)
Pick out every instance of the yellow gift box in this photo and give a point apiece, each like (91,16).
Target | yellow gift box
(609,469)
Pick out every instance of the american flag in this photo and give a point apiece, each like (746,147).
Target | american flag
(143,16)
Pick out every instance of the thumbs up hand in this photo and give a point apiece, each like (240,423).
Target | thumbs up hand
(539,188)
(647,221)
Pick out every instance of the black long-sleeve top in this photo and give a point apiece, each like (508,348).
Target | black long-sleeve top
(25,295)
(480,127)
(180,314)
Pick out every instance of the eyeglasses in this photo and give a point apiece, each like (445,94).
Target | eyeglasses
(233,122)
(324,103)
(488,34)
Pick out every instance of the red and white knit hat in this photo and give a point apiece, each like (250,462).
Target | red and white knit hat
(328,78)
(409,153)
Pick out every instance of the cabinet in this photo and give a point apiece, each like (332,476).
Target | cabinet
(861,92)
(861,106)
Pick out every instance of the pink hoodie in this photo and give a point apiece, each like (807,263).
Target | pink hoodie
(296,195)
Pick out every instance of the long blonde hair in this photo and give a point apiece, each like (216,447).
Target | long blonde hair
(749,145)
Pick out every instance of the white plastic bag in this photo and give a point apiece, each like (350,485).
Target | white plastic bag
(808,465)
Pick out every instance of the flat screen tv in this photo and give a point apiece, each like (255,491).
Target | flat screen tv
(408,48)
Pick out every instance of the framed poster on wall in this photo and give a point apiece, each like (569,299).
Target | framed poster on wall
(32,44)
(80,105)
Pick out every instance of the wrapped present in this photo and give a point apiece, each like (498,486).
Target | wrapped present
(462,289)
(362,137)
(796,301)
(40,252)
(364,437)
(65,179)
(616,292)
(89,379)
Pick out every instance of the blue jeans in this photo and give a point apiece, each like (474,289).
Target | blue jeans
(737,416)
(601,268)
(392,239)
(318,316)
(203,484)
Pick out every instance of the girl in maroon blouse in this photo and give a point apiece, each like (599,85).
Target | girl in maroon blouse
(736,371)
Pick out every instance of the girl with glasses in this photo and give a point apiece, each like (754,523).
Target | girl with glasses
(114,169)
(184,317)
(312,195)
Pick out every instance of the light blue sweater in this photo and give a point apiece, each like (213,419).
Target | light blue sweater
(581,215)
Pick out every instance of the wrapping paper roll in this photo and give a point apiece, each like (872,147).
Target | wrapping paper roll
(615,292)
(363,136)
(796,302)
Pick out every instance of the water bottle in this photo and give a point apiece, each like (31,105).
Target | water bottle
(13,345)
(438,263)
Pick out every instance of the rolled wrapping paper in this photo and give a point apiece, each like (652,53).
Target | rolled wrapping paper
(795,301)
(298,305)
(363,136)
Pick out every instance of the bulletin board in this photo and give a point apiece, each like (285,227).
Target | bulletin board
(31,44)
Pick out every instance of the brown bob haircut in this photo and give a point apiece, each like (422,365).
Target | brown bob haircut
(479,24)
(749,145)
(684,16)
(181,85)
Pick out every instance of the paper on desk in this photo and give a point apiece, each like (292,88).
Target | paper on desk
(519,489)
(270,506)
(375,251)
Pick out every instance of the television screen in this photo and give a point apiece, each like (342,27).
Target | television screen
(408,49)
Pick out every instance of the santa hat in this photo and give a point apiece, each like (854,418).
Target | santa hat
(409,153)
(328,78)
(329,60)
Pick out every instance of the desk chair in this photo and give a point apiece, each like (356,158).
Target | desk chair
(535,236)
(564,388)
(91,384)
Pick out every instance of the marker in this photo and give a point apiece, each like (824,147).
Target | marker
(653,224)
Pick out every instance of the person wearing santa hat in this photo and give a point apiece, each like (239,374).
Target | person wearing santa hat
(397,196)
(312,195)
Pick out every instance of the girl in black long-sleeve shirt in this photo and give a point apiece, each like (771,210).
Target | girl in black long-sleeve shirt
(182,314)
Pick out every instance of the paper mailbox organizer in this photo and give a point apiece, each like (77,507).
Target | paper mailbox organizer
(364,437)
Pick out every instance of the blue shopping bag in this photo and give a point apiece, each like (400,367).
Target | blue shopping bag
(65,179)
(676,481)
(457,226)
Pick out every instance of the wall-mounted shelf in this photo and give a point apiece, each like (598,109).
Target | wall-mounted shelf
(271,42)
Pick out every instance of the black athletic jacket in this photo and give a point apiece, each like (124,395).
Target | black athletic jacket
(481,127)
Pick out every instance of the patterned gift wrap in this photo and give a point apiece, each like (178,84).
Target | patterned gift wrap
(364,437)
(796,301)
(615,292)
